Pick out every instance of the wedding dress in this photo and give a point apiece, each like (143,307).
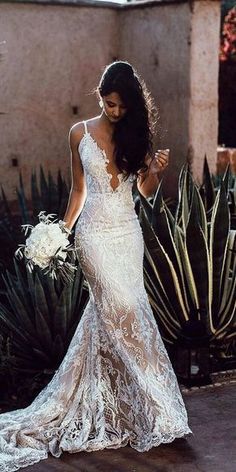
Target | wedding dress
(116,384)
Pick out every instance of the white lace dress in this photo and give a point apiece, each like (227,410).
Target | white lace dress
(116,383)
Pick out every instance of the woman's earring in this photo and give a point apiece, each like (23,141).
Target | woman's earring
(100,103)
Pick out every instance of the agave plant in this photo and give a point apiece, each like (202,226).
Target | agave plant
(40,314)
(190,265)
(211,184)
(48,195)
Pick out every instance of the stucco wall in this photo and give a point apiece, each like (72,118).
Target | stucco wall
(55,56)
(204,71)
(156,41)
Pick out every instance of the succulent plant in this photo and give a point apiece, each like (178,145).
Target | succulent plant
(190,265)
(40,314)
(211,184)
(47,194)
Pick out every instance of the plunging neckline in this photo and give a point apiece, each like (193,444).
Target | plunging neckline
(106,162)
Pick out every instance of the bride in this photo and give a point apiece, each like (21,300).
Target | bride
(115,385)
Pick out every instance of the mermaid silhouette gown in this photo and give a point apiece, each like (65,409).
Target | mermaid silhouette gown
(116,384)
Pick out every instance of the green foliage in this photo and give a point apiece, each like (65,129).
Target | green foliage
(190,264)
(40,316)
(46,194)
(210,187)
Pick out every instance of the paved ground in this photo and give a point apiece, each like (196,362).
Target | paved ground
(212,418)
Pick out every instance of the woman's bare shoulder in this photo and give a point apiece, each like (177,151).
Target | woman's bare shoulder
(76,132)
(78,129)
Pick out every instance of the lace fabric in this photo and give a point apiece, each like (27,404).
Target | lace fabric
(116,384)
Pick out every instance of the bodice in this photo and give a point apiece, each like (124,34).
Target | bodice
(94,161)
(104,207)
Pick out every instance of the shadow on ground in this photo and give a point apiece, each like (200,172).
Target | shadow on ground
(212,418)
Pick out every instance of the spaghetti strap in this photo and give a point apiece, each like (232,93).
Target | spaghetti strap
(85,126)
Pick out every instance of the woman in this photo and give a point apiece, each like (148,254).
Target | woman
(116,384)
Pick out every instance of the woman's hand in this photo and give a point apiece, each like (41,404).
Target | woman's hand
(148,180)
(160,161)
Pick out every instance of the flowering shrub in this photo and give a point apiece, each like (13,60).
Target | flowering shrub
(228,43)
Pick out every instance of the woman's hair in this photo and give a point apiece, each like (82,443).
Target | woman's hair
(133,134)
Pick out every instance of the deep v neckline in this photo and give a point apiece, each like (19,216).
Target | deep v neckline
(106,162)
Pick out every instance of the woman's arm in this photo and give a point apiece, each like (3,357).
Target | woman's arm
(78,190)
(148,180)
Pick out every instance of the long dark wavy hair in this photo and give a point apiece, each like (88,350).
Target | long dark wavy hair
(133,134)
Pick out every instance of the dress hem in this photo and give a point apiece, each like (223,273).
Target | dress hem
(127,442)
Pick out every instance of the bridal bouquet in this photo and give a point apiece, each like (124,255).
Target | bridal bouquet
(47,247)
